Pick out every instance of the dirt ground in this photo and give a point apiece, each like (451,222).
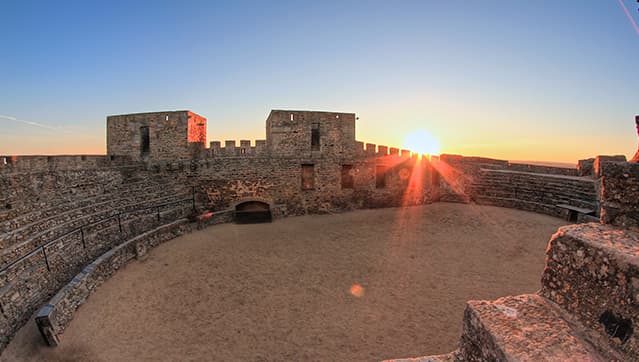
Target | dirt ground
(359,286)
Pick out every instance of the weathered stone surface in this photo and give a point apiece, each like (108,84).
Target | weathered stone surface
(601,159)
(169,134)
(620,194)
(522,328)
(592,270)
(586,167)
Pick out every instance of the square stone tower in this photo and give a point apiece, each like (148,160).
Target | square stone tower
(310,134)
(156,135)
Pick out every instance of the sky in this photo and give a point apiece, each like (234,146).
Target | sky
(518,80)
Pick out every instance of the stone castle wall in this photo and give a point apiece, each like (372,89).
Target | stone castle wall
(58,213)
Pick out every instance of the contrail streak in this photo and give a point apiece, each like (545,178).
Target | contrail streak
(632,21)
(28,122)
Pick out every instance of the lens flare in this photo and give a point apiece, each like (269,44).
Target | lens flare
(357,290)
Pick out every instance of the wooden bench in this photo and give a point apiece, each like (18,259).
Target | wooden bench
(574,211)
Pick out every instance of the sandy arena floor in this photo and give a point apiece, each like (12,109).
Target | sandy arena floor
(289,290)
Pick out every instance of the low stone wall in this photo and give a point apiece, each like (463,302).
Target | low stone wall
(56,315)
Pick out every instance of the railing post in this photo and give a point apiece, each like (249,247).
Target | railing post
(193,199)
(158,213)
(119,223)
(44,252)
(84,245)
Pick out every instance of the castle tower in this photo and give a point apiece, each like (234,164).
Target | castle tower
(156,135)
(310,134)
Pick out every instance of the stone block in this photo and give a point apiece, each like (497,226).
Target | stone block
(522,328)
(592,271)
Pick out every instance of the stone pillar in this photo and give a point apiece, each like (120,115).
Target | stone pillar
(635,158)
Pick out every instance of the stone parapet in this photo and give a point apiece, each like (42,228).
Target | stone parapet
(592,271)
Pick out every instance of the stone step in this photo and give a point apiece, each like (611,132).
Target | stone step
(585,188)
(67,224)
(546,197)
(519,204)
(449,357)
(587,193)
(54,202)
(527,327)
(24,220)
(592,271)
(536,175)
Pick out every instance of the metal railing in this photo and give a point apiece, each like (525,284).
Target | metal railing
(80,229)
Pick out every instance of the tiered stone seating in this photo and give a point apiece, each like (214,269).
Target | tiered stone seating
(534,192)
(587,310)
(65,203)
(31,274)
(55,224)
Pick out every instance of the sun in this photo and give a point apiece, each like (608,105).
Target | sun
(421,142)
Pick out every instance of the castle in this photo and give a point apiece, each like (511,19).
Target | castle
(68,222)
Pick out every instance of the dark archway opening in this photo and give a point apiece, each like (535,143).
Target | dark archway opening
(252,212)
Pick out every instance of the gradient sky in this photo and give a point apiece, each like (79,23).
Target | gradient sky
(521,80)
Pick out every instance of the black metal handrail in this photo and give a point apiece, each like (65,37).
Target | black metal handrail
(81,228)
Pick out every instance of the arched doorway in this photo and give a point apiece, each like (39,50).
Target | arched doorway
(252,212)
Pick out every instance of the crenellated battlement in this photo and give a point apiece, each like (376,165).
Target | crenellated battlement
(372,150)
(35,163)
(232,149)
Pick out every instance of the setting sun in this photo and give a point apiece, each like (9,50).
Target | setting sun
(421,142)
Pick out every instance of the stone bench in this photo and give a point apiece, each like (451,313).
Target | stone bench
(573,212)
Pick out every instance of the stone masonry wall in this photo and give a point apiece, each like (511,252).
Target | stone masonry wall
(620,194)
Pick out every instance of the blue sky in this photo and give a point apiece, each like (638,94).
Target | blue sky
(543,80)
